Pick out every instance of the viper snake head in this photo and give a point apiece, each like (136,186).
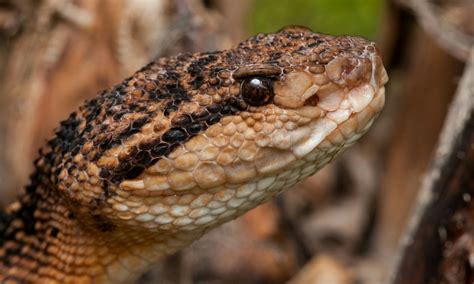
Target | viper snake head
(191,141)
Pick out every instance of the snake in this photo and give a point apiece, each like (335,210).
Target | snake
(182,146)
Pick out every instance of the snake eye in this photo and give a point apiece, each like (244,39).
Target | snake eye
(257,91)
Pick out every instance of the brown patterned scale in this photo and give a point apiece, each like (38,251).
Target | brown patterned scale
(184,145)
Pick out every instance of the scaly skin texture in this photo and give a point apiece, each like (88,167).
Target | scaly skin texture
(184,145)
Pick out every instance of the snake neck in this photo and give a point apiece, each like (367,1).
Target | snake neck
(45,240)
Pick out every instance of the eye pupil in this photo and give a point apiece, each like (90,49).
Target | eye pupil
(257,91)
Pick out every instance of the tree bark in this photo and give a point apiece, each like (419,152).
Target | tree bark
(437,246)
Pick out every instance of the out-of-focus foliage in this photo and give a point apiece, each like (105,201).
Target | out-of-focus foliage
(348,17)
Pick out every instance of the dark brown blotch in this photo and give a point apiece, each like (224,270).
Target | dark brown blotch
(194,128)
(175,135)
(214,108)
(214,118)
(134,172)
(181,121)
(160,150)
(142,158)
(200,115)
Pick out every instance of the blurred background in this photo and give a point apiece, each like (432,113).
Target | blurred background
(341,226)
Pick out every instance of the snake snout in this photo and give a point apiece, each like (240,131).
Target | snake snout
(379,74)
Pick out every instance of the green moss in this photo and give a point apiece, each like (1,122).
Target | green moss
(340,17)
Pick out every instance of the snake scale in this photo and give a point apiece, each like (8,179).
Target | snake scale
(185,144)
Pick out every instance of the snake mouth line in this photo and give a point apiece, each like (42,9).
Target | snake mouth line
(330,131)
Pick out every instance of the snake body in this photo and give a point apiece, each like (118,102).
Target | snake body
(182,146)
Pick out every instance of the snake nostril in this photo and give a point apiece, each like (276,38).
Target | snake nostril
(312,101)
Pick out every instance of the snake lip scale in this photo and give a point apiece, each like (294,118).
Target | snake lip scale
(183,145)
